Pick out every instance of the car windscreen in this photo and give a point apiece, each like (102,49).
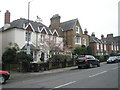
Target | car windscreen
(112,57)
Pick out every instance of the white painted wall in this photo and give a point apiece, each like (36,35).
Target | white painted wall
(7,37)
(19,36)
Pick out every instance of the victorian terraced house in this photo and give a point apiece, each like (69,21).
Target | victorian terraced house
(104,46)
(43,40)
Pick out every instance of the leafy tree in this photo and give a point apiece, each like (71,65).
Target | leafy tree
(9,55)
(80,50)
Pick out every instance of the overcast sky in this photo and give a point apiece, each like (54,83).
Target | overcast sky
(98,16)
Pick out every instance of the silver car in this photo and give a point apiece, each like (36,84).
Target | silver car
(112,59)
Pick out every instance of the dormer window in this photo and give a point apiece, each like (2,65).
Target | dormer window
(77,29)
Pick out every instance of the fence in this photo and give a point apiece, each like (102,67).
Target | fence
(55,65)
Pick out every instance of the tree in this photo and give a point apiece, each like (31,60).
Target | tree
(9,55)
(24,60)
(80,50)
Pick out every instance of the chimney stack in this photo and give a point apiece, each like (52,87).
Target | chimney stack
(102,36)
(110,36)
(93,34)
(85,32)
(7,17)
(55,21)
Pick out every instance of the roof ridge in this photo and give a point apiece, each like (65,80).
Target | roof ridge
(69,20)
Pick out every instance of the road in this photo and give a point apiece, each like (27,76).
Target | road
(105,76)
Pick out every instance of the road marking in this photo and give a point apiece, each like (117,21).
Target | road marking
(98,74)
(115,68)
(65,84)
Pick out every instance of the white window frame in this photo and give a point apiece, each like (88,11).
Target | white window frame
(97,46)
(42,38)
(78,40)
(77,29)
(111,47)
(117,48)
(84,41)
(104,46)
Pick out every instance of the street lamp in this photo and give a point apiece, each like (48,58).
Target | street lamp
(28,33)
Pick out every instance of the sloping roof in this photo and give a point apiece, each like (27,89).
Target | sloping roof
(32,47)
(68,25)
(22,23)
(117,39)
(95,40)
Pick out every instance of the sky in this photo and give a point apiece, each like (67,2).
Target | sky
(98,16)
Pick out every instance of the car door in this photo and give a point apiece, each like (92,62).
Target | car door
(93,60)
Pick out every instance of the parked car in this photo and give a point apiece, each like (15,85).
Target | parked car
(4,76)
(118,57)
(87,61)
(112,59)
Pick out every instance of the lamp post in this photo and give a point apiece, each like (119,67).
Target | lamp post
(28,33)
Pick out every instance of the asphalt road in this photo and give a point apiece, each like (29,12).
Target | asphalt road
(105,76)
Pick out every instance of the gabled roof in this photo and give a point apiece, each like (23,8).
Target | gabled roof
(22,23)
(114,41)
(117,39)
(68,25)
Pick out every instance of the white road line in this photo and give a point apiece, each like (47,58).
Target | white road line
(65,84)
(97,74)
(115,68)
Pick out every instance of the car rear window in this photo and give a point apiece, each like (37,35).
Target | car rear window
(81,58)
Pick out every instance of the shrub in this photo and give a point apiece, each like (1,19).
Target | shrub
(106,57)
(101,58)
(60,58)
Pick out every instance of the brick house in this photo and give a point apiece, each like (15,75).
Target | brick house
(71,32)
(96,45)
(112,44)
(104,46)
(43,40)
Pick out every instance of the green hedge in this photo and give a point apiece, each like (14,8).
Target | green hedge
(102,58)
(60,58)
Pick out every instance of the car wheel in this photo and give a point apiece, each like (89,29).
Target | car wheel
(98,65)
(91,65)
(2,79)
(79,67)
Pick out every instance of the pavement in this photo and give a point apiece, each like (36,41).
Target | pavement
(22,75)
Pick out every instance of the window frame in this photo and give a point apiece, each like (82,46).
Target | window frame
(77,28)
(78,40)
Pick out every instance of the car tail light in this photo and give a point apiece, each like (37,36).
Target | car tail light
(86,60)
